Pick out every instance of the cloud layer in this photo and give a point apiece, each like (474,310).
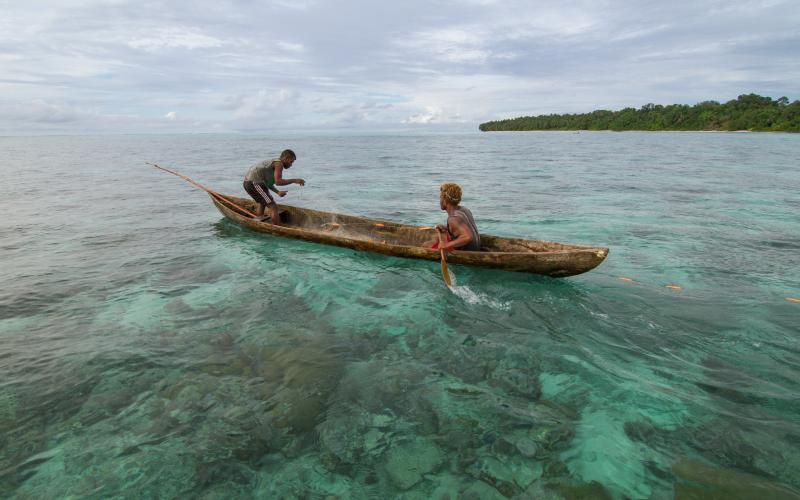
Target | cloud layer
(114,65)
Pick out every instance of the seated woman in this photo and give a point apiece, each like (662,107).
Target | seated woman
(460,233)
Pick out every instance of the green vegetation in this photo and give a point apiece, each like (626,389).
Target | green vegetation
(748,112)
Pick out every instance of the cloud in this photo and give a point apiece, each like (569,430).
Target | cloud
(174,38)
(84,65)
(290,47)
(430,115)
(41,111)
(301,5)
(264,103)
(452,45)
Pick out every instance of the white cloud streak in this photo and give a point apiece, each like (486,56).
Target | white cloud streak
(84,65)
(174,38)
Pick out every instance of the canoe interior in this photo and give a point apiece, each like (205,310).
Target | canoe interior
(392,233)
(402,240)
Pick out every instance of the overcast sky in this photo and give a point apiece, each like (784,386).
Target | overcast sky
(117,66)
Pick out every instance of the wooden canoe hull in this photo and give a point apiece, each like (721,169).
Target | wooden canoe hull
(402,240)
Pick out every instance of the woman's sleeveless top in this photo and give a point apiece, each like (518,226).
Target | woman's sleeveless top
(464,214)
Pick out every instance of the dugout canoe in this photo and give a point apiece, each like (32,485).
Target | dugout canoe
(402,240)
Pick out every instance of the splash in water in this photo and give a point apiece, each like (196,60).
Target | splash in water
(476,298)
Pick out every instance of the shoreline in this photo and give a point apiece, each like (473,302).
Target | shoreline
(655,131)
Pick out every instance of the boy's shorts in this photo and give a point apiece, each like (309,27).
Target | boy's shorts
(259,192)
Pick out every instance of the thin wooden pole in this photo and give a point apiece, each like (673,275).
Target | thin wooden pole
(213,194)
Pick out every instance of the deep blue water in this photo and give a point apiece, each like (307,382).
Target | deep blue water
(150,348)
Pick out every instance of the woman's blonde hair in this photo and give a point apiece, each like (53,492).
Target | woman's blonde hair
(452,192)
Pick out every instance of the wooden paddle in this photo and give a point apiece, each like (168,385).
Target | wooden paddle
(445,274)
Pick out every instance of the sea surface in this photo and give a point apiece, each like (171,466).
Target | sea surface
(149,348)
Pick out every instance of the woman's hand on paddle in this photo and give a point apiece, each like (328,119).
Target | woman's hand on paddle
(443,243)
(302,182)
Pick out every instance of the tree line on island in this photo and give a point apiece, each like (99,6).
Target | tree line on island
(747,112)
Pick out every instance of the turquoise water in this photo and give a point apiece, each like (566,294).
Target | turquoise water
(150,348)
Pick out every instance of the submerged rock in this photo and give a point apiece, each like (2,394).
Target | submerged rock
(503,446)
(227,363)
(297,410)
(469,341)
(304,477)
(555,468)
(479,490)
(378,385)
(304,374)
(724,444)
(408,462)
(645,432)
(517,382)
(527,447)
(699,480)
(350,437)
(9,405)
(579,491)
(509,476)
(472,361)
(551,439)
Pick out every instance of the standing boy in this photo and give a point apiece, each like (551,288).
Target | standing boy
(262,178)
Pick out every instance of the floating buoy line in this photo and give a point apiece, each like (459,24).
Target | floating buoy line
(678,288)
(671,286)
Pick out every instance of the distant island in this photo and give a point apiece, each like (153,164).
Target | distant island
(749,112)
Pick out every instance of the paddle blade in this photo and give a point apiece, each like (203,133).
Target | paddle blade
(445,273)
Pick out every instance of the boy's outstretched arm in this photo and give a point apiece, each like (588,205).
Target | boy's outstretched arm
(280,181)
(278,191)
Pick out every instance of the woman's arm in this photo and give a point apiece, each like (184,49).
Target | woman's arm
(462,233)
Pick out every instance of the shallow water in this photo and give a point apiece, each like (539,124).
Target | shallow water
(149,347)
